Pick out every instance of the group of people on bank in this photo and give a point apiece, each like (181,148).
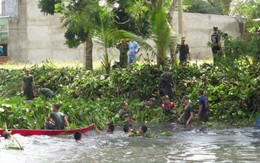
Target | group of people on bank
(131,48)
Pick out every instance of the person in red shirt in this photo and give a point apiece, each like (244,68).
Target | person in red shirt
(167,105)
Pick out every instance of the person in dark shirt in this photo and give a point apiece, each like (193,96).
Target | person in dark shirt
(123,48)
(165,85)
(187,115)
(216,46)
(28,83)
(56,120)
(183,50)
(44,91)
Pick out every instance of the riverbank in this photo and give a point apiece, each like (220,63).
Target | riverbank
(232,90)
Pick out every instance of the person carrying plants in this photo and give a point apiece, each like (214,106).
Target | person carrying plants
(48,93)
(187,115)
(56,120)
(184,52)
(28,83)
(165,85)
(203,112)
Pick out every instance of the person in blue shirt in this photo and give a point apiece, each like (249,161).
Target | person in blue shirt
(133,49)
(203,112)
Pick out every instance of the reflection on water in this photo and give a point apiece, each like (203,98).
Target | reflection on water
(228,145)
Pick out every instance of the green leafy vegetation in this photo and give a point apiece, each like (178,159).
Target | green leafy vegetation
(89,97)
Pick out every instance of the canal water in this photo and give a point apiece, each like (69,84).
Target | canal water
(185,145)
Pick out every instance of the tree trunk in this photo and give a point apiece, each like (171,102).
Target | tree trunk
(170,21)
(88,60)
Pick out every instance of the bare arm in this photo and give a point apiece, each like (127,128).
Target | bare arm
(97,130)
(188,121)
(200,109)
(67,122)
(179,119)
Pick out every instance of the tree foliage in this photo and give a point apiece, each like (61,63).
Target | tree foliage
(48,6)
(161,31)
(221,7)
(249,9)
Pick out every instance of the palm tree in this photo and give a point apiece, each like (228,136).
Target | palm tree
(161,31)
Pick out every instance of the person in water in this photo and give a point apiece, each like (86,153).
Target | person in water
(203,111)
(128,130)
(187,115)
(142,130)
(56,120)
(77,136)
(110,129)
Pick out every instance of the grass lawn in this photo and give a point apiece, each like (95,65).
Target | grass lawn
(96,64)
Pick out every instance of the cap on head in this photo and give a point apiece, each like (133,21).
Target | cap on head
(126,115)
(152,99)
(124,103)
(166,97)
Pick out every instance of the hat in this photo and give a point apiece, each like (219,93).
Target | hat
(126,115)
(124,103)
(152,99)
(166,97)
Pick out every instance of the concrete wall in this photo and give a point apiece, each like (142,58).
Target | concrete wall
(17,42)
(34,37)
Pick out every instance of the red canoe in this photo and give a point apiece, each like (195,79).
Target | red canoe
(28,132)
